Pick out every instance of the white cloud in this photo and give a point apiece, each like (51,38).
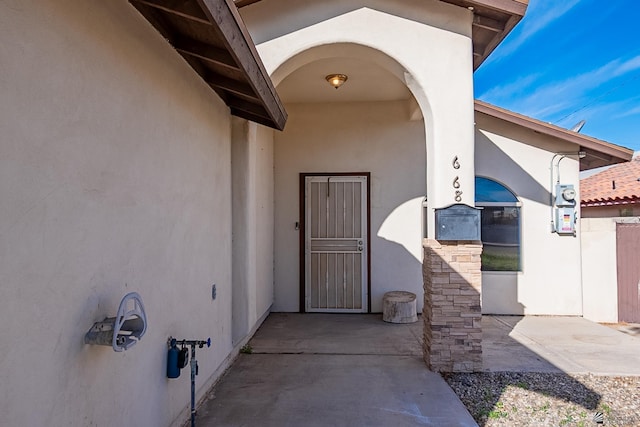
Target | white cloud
(628,112)
(560,96)
(510,89)
(630,65)
(539,15)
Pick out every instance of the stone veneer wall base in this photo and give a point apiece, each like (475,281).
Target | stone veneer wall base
(452,306)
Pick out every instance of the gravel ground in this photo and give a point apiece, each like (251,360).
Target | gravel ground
(547,399)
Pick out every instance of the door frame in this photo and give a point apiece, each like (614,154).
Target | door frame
(302,232)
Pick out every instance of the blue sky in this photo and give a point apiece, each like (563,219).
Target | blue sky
(569,60)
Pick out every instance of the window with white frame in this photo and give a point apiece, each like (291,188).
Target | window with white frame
(500,228)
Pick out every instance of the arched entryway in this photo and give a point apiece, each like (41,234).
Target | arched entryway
(371,132)
(407,148)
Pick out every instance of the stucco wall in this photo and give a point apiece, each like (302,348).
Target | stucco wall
(252,165)
(609,211)
(426,45)
(550,280)
(599,271)
(264,212)
(354,137)
(114,176)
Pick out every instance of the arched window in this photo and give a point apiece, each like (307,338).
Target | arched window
(500,226)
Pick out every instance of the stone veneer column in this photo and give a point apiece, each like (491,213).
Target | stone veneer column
(452,312)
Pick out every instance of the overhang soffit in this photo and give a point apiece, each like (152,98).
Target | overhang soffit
(213,40)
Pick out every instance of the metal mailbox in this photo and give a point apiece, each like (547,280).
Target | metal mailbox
(458,222)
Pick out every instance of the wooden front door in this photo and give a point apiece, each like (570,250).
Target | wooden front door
(628,254)
(336,243)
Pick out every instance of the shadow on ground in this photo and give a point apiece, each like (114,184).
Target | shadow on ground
(542,360)
(356,370)
(484,393)
(333,370)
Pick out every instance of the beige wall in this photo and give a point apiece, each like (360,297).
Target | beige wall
(290,35)
(115,176)
(599,267)
(354,137)
(599,271)
(550,280)
(609,211)
(252,165)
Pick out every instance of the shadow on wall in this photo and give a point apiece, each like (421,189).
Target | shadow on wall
(289,17)
(458,339)
(489,157)
(500,294)
(398,240)
(397,270)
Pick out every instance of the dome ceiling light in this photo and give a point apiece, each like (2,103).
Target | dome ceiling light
(336,80)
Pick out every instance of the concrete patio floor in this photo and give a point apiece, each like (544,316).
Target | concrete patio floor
(333,370)
(557,344)
(356,370)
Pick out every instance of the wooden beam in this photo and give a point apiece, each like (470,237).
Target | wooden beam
(243,3)
(236,37)
(205,52)
(495,41)
(512,7)
(235,87)
(477,50)
(184,9)
(154,18)
(488,23)
(231,47)
(248,107)
(251,117)
(597,155)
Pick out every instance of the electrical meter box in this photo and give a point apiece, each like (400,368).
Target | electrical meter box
(565,220)
(565,209)
(458,222)
(565,195)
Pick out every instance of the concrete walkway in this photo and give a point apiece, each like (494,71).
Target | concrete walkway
(333,370)
(355,370)
(558,344)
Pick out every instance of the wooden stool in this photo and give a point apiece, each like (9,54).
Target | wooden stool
(399,307)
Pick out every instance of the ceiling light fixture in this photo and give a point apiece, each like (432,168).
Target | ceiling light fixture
(336,80)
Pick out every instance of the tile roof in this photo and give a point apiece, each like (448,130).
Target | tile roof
(617,185)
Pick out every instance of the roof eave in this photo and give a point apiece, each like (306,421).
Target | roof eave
(598,153)
(609,202)
(211,36)
(493,20)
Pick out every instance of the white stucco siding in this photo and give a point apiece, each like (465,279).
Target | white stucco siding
(599,269)
(114,177)
(429,43)
(264,211)
(270,21)
(253,210)
(354,137)
(550,280)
